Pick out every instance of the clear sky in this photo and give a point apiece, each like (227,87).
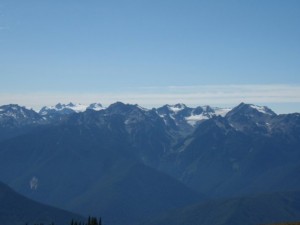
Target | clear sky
(150,52)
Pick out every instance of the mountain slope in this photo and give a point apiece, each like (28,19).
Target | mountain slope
(287,223)
(234,156)
(16,120)
(260,209)
(132,193)
(18,210)
(88,165)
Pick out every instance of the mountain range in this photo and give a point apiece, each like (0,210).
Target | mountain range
(130,164)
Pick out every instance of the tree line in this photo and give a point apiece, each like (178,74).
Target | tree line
(90,221)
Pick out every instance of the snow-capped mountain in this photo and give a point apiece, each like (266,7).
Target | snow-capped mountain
(249,109)
(181,114)
(17,115)
(65,109)
(95,106)
(176,117)
(62,109)
(16,120)
(249,117)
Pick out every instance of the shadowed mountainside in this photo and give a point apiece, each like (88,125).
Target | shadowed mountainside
(17,210)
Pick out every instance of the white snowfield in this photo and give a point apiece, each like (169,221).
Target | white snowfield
(193,119)
(222,111)
(176,108)
(261,109)
(71,106)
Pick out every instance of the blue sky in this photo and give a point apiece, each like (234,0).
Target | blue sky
(149,52)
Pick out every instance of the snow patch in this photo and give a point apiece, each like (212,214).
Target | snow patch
(176,108)
(261,109)
(193,119)
(76,107)
(34,183)
(206,114)
(71,106)
(60,107)
(96,107)
(221,111)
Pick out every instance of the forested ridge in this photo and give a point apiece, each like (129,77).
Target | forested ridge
(90,221)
